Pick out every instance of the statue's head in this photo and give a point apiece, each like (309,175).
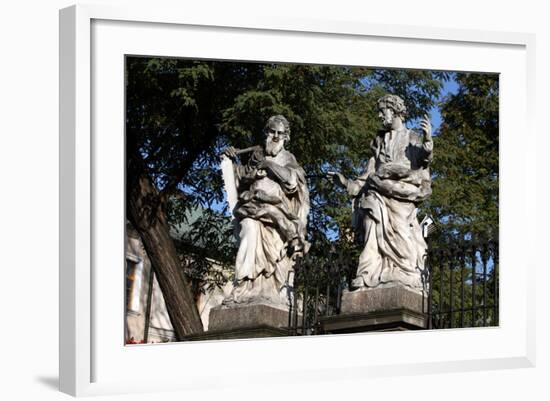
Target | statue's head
(390,107)
(277,132)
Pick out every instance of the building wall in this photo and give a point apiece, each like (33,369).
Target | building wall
(139,297)
(138,282)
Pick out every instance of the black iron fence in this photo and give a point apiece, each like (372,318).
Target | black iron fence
(462,287)
(318,286)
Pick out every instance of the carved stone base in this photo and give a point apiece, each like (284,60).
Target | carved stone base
(235,334)
(381,309)
(383,299)
(247,321)
(394,320)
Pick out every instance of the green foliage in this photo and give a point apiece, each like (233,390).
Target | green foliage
(465,166)
(207,246)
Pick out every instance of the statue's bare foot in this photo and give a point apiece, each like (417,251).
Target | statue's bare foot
(357,283)
(230,300)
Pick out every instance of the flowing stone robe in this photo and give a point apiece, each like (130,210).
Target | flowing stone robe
(386,196)
(271,213)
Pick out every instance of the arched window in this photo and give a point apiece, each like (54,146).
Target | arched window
(134,282)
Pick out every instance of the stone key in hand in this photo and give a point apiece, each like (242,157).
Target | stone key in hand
(246,150)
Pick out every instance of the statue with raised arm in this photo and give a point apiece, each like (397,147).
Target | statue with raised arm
(385,201)
(271,208)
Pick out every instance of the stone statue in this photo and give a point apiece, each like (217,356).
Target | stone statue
(271,209)
(385,200)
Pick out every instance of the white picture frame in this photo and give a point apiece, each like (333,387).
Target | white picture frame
(93,39)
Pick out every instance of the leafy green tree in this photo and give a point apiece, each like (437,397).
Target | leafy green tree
(466,162)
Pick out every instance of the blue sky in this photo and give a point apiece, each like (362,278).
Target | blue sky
(449,87)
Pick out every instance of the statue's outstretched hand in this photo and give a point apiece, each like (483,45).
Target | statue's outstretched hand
(337,178)
(230,152)
(426,127)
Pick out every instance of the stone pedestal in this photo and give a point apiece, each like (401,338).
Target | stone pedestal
(246,321)
(380,309)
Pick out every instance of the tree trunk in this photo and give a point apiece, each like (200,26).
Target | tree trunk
(146,214)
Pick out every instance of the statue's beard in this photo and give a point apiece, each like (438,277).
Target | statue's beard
(272,148)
